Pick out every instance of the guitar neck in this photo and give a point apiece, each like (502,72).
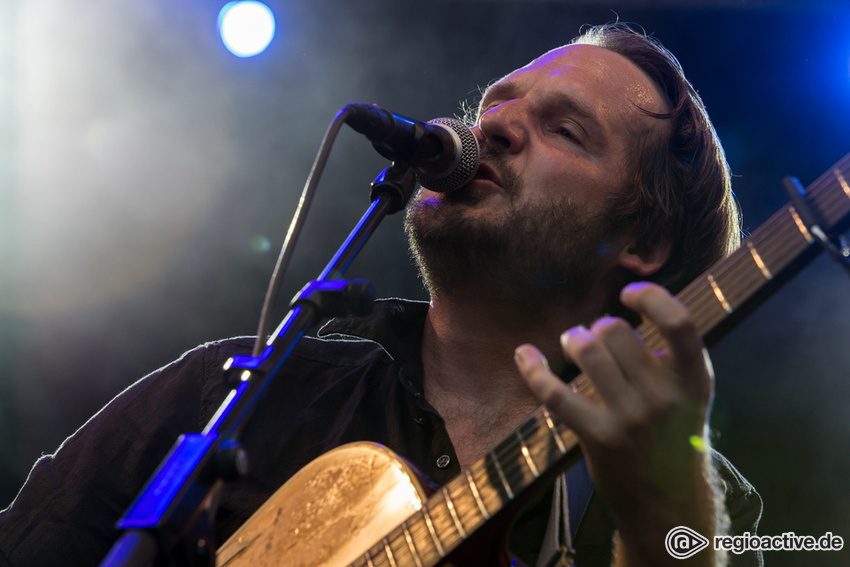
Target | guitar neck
(541,448)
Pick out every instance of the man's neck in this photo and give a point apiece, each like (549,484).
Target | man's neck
(469,370)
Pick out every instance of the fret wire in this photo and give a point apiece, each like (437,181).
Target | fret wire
(822,183)
(543,450)
(502,477)
(389,553)
(833,205)
(450,505)
(718,293)
(525,453)
(841,181)
(741,273)
(723,291)
(409,539)
(843,167)
(425,548)
(801,225)
(773,242)
(698,290)
(474,488)
(514,468)
(465,505)
(443,522)
(490,490)
(397,540)
(430,524)
(779,246)
(551,426)
(513,446)
(765,271)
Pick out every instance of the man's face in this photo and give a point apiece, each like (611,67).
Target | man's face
(557,138)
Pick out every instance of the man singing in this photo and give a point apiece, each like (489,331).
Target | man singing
(600,172)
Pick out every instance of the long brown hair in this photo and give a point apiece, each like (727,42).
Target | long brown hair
(682,190)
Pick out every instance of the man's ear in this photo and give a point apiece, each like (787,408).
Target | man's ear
(643,260)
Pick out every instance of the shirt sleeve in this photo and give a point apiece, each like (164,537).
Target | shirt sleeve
(744,506)
(67,509)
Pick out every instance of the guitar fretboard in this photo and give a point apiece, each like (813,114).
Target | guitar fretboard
(541,448)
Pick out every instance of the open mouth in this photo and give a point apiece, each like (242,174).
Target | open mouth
(485,182)
(487,173)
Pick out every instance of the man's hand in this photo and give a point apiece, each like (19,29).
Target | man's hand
(643,433)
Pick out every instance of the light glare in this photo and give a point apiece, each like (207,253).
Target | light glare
(246,28)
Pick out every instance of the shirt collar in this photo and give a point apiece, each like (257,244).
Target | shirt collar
(395,324)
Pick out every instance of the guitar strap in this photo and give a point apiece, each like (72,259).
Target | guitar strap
(569,503)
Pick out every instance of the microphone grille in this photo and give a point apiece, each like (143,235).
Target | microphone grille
(466,161)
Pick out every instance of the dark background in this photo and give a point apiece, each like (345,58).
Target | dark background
(147,178)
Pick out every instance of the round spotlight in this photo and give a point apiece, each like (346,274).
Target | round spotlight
(246,28)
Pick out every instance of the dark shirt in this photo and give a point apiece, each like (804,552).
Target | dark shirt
(362,383)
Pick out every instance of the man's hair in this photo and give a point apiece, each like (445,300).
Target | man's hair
(681,188)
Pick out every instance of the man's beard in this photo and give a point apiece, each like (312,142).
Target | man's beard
(527,254)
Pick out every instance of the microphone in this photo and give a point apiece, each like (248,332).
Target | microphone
(443,152)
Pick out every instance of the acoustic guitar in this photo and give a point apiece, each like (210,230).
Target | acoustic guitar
(363,506)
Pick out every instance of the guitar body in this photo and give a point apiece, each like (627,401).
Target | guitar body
(336,508)
(330,512)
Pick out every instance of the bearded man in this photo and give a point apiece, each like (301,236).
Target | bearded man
(600,171)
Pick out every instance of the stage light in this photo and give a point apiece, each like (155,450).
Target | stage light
(246,28)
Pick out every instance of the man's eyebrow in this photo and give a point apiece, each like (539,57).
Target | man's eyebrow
(564,102)
(501,90)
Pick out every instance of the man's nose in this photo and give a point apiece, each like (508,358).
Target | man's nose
(504,126)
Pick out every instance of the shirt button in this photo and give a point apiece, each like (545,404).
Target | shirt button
(443,461)
(419,420)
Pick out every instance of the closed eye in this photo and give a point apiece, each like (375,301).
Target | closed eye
(568,133)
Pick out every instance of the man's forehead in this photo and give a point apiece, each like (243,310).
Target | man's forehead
(594,63)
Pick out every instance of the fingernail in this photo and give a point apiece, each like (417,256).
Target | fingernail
(635,287)
(520,354)
(565,336)
(526,356)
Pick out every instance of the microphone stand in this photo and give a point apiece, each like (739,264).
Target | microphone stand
(171,520)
